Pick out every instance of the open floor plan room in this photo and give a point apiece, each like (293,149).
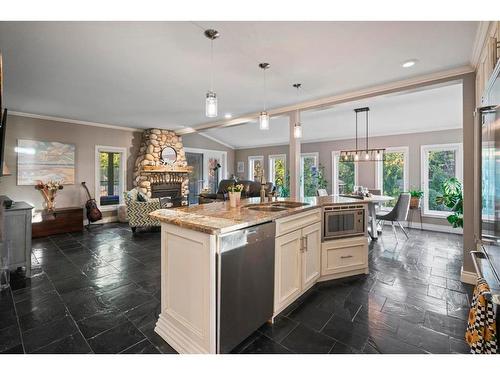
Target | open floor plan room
(249,187)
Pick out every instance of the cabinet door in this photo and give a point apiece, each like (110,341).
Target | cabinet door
(311,255)
(287,282)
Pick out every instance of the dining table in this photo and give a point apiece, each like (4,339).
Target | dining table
(373,200)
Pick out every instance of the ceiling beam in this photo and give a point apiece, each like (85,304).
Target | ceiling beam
(333,100)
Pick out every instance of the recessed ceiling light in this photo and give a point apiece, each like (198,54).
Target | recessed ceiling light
(228,115)
(409,63)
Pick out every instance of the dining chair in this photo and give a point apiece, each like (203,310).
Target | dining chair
(398,213)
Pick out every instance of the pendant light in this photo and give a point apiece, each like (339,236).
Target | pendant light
(366,154)
(297,127)
(211,97)
(264,116)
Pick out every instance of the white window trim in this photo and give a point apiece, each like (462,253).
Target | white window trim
(251,160)
(379,169)
(222,155)
(335,172)
(424,176)
(123,179)
(314,155)
(271,159)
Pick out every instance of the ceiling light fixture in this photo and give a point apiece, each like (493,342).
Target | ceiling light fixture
(409,63)
(297,128)
(368,154)
(211,97)
(264,116)
(228,116)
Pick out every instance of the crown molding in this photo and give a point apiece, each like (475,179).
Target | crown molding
(337,99)
(479,40)
(71,121)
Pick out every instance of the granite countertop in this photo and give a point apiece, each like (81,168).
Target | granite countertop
(220,218)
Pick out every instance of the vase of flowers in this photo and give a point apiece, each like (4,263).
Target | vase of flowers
(49,191)
(235,195)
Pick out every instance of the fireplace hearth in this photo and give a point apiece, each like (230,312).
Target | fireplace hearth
(172,190)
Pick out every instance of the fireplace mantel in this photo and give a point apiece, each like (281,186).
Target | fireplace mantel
(167,169)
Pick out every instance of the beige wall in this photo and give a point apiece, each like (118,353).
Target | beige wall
(84,137)
(366,170)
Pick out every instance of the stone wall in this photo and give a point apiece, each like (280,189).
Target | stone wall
(153,141)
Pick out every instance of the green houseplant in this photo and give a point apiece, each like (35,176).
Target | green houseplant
(452,198)
(416,195)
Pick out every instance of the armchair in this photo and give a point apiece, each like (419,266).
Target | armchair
(138,212)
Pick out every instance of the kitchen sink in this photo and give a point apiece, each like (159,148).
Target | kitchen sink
(289,204)
(267,208)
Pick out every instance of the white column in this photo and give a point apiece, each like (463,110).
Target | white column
(294,152)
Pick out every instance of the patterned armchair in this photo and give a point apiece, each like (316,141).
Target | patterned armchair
(138,212)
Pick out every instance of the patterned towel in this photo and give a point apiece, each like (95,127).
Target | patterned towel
(481,327)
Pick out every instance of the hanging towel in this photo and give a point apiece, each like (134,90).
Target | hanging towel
(481,327)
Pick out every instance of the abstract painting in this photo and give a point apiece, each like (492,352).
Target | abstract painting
(45,161)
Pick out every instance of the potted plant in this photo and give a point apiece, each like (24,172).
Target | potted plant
(235,194)
(453,199)
(416,195)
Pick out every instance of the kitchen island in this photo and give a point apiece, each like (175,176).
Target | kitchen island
(223,268)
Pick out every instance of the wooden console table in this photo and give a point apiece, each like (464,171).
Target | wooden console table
(61,220)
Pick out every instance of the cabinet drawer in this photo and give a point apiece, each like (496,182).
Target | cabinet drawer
(290,223)
(344,255)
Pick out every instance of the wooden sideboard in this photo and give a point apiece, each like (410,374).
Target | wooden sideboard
(61,220)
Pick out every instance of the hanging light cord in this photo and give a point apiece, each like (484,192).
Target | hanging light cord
(211,65)
(265,91)
(356,132)
(366,131)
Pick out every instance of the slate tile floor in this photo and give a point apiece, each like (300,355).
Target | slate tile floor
(99,292)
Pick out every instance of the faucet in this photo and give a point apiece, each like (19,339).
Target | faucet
(259,171)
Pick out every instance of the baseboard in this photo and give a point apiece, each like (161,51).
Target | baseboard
(468,277)
(104,220)
(431,227)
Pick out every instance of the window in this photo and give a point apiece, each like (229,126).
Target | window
(308,172)
(439,162)
(209,168)
(110,175)
(253,162)
(392,173)
(344,175)
(277,174)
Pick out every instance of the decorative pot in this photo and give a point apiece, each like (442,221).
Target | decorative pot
(414,202)
(234,198)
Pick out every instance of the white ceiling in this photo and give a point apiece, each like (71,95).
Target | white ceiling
(155,74)
(435,108)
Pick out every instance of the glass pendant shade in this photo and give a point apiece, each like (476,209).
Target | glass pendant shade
(264,121)
(211,104)
(297,131)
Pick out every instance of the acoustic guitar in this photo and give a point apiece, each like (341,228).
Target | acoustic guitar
(93,213)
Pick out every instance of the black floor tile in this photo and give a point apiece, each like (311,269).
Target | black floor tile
(100,322)
(310,316)
(128,296)
(9,338)
(281,327)
(156,340)
(144,314)
(74,344)
(143,347)
(307,341)
(445,324)
(116,339)
(48,333)
(345,331)
(340,348)
(264,345)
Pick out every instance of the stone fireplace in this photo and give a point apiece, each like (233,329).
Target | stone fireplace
(157,180)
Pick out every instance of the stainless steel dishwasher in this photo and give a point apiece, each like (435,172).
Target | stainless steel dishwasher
(245,283)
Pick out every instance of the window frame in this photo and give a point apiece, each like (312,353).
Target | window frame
(379,171)
(424,173)
(251,160)
(335,172)
(97,177)
(303,155)
(271,159)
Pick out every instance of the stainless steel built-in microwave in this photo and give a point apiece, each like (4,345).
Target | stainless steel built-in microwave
(343,221)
